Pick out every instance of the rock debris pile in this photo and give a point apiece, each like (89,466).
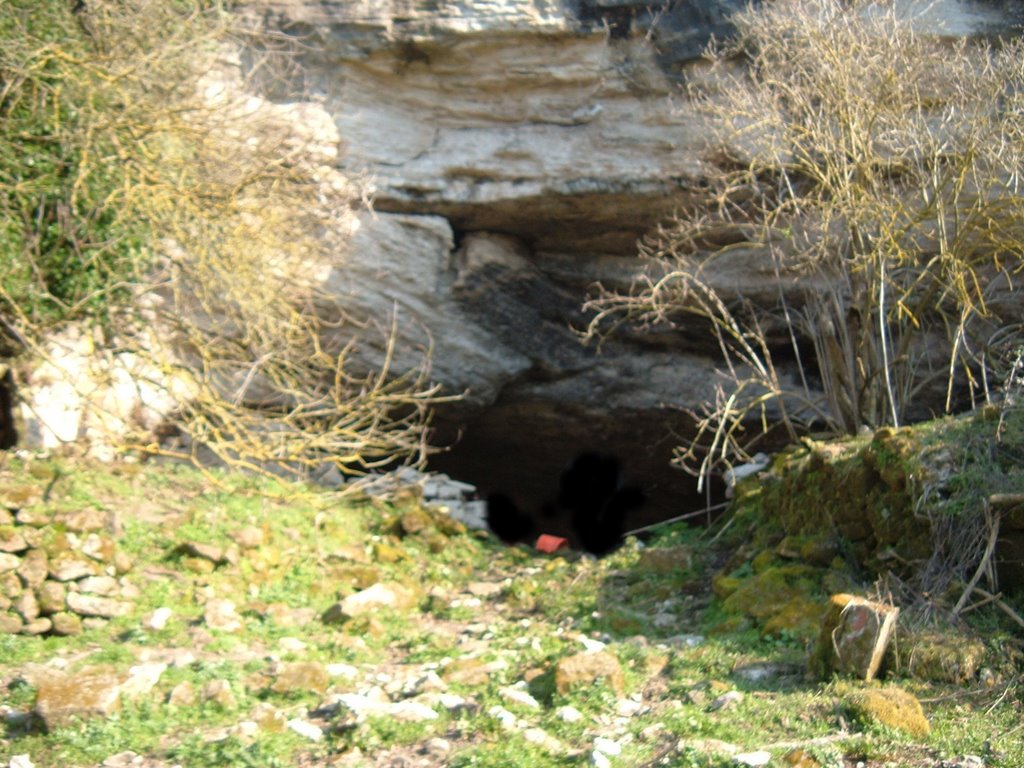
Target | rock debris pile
(60,572)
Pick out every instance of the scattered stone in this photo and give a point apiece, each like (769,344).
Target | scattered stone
(607,746)
(249,537)
(210,552)
(182,695)
(889,706)
(485,589)
(20,761)
(157,620)
(569,714)
(437,747)
(342,670)
(665,560)
(517,695)
(66,624)
(306,729)
(299,676)
(380,595)
(221,615)
(471,671)
(291,645)
(600,760)
(584,669)
(508,720)
(408,711)
(709,746)
(269,718)
(726,701)
(142,678)
(219,692)
(760,757)
(854,636)
(92,605)
(543,739)
(88,693)
(126,759)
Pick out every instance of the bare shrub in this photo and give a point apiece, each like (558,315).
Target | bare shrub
(198,221)
(880,169)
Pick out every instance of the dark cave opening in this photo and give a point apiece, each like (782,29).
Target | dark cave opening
(523,451)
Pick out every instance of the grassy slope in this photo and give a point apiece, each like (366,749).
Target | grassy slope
(314,545)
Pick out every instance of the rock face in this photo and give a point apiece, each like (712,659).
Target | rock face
(518,151)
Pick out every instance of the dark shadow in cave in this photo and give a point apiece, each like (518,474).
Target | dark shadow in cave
(8,432)
(521,456)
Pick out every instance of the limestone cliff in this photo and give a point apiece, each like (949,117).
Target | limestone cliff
(518,150)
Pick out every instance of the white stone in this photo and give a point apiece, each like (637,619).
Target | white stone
(306,729)
(339,669)
(21,761)
(591,645)
(507,719)
(600,760)
(142,678)
(761,757)
(519,696)
(158,619)
(569,714)
(607,746)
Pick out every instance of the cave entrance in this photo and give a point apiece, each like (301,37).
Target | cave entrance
(521,449)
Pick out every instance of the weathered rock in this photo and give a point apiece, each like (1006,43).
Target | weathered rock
(889,706)
(106,586)
(37,626)
(854,636)
(585,669)
(88,693)
(66,624)
(8,562)
(381,595)
(249,537)
(10,623)
(34,568)
(142,678)
(87,520)
(11,540)
(299,676)
(98,547)
(941,659)
(221,615)
(95,606)
(68,566)
(219,692)
(182,695)
(27,605)
(52,596)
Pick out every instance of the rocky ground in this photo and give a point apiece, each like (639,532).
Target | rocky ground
(157,616)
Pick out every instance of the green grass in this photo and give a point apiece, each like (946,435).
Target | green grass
(536,620)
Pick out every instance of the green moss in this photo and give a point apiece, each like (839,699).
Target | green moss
(890,707)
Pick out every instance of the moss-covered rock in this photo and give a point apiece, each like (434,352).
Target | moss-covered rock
(941,658)
(891,707)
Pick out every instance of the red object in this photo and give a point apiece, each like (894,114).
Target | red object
(547,543)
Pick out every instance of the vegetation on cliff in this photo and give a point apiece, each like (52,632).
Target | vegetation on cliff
(147,193)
